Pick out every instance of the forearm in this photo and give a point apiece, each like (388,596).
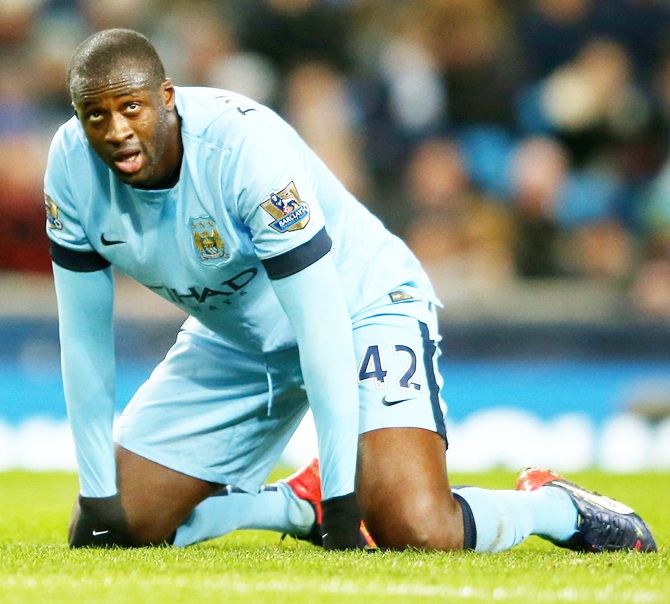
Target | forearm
(326,358)
(316,308)
(85,302)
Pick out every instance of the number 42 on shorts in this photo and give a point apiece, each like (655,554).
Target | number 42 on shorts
(372,367)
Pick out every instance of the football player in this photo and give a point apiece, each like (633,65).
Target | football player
(297,297)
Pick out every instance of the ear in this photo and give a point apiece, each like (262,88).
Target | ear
(167,90)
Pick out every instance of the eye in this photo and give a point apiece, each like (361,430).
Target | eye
(94,116)
(132,107)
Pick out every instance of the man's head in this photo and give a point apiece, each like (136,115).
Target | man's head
(127,107)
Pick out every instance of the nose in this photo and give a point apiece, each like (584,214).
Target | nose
(119,129)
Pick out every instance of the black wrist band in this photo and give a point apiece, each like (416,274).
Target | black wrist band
(101,523)
(106,506)
(341,522)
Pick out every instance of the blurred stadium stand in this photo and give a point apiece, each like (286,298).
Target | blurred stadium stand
(520,147)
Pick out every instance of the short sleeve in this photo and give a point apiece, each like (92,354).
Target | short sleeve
(275,198)
(70,246)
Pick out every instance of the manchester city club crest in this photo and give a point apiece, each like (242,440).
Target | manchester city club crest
(290,213)
(207,242)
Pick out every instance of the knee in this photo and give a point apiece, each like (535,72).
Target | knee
(404,492)
(149,526)
(416,520)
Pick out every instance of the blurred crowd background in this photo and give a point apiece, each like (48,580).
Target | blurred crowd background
(520,147)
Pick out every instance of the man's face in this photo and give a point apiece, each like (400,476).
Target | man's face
(132,125)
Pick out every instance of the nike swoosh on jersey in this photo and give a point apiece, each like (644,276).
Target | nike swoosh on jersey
(388,403)
(98,533)
(109,241)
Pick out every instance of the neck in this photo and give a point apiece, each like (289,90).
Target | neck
(175,153)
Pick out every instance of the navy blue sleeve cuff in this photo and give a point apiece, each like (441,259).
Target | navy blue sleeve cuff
(80,262)
(292,262)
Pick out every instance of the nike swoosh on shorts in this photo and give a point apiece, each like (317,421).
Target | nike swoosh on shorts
(388,403)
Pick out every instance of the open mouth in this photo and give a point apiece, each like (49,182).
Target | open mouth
(129,163)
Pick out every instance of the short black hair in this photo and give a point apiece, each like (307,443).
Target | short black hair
(111,49)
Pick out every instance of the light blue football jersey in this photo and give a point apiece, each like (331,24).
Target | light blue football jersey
(250,190)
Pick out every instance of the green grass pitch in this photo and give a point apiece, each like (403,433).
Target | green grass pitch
(248,566)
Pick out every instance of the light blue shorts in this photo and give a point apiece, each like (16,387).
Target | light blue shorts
(224,416)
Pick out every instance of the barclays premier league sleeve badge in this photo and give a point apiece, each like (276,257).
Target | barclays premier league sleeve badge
(52,213)
(290,213)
